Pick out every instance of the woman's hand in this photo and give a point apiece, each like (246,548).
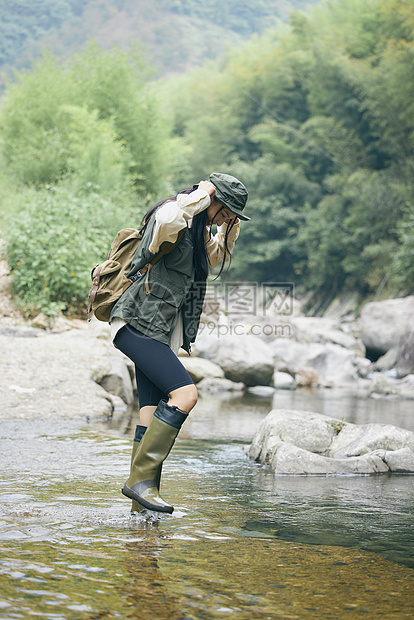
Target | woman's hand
(209,188)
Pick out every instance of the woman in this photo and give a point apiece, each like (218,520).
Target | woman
(160,312)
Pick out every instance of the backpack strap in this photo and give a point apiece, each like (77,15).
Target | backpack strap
(96,272)
(166,248)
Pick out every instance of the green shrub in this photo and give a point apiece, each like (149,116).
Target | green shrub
(94,112)
(79,144)
(403,263)
(55,239)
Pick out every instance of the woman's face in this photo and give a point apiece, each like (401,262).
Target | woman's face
(217,214)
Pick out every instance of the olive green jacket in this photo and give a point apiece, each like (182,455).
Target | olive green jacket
(152,303)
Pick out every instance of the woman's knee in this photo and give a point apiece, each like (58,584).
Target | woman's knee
(184,398)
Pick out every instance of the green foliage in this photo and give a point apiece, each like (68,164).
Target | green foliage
(318,123)
(94,154)
(55,240)
(9,195)
(88,138)
(94,117)
(268,244)
(403,260)
(114,84)
(317,119)
(404,257)
(28,118)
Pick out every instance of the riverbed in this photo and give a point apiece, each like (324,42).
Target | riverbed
(241,542)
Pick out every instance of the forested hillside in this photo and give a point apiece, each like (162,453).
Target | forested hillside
(317,119)
(320,125)
(176,34)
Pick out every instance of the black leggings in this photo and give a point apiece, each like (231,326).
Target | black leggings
(157,368)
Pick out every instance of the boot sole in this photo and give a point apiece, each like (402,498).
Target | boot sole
(143,502)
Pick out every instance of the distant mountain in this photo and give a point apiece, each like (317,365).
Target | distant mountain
(175,34)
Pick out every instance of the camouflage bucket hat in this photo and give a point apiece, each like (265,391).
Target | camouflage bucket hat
(230,192)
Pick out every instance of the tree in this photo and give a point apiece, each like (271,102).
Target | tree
(118,108)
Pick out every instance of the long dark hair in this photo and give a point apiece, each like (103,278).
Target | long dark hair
(199,223)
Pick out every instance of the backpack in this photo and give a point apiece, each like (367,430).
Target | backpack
(110,278)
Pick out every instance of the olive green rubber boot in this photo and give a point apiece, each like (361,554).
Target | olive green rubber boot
(139,433)
(154,448)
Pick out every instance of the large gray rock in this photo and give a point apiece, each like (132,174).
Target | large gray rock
(246,359)
(117,379)
(284,381)
(217,384)
(335,365)
(383,323)
(386,361)
(199,368)
(325,330)
(405,357)
(356,440)
(301,442)
(20,331)
(400,461)
(58,367)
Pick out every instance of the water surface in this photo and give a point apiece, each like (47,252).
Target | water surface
(241,542)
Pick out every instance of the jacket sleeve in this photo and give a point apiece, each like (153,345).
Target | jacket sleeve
(215,245)
(173,216)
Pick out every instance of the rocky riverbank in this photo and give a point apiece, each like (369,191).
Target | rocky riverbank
(48,371)
(373,353)
(51,374)
(69,368)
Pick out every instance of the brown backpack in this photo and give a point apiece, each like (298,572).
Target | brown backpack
(109,279)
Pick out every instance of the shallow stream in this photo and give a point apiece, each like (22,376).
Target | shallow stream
(241,543)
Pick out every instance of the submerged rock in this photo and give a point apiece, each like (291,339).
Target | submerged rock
(307,443)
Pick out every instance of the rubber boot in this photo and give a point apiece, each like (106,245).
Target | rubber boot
(154,448)
(139,433)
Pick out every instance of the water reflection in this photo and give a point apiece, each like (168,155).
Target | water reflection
(148,593)
(236,416)
(349,405)
(374,513)
(222,552)
(252,578)
(241,542)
